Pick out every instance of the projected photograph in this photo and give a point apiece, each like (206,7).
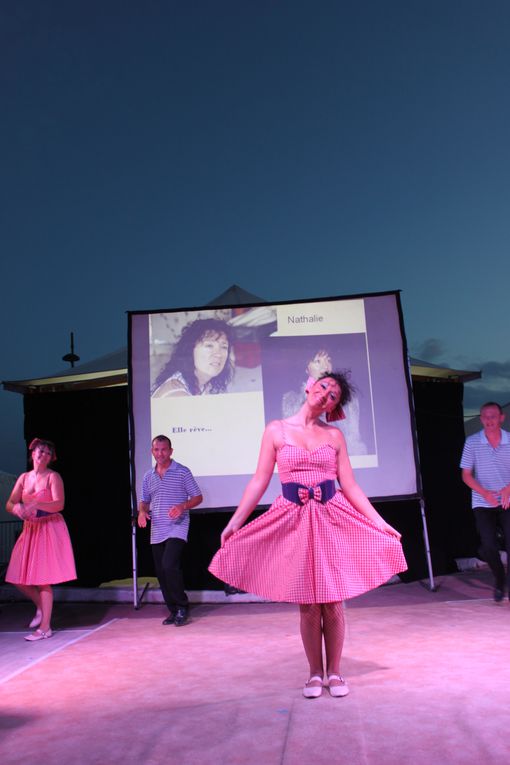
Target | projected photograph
(212,378)
(206,384)
(288,362)
(208,352)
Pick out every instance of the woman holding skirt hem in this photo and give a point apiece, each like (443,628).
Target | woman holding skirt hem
(317,545)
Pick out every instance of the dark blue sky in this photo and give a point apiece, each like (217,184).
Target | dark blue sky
(154,153)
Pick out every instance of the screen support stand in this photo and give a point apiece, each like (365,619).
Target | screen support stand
(136,599)
(432,585)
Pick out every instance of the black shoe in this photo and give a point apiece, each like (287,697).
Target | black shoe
(170,619)
(230,590)
(181,617)
(498,595)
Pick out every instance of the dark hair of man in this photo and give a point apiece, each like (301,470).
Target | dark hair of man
(491,403)
(162,438)
(347,389)
(182,356)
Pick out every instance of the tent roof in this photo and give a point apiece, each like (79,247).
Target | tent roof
(104,372)
(235,295)
(111,370)
(424,370)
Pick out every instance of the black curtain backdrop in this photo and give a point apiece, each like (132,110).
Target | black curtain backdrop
(90,430)
(440,426)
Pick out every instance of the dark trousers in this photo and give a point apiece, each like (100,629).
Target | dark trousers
(167,562)
(488,521)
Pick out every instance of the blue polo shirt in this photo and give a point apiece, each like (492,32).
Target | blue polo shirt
(177,485)
(490,466)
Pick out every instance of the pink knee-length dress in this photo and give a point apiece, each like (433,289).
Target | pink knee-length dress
(43,553)
(310,553)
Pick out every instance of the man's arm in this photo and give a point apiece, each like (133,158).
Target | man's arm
(183,507)
(489,496)
(143,514)
(505,497)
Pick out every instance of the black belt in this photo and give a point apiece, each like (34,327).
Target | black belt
(300,495)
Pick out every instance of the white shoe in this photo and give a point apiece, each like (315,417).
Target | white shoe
(39,635)
(313,691)
(342,689)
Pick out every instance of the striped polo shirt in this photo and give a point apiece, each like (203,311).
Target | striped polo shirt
(490,466)
(177,485)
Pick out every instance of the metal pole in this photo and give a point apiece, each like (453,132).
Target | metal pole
(432,585)
(136,602)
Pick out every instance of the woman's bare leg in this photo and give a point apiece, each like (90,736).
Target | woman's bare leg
(32,593)
(46,595)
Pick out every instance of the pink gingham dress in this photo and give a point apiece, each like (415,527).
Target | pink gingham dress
(311,553)
(43,553)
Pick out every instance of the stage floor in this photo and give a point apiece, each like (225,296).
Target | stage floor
(429,675)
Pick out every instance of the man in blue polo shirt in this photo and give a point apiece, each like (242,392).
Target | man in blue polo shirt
(485,467)
(169,492)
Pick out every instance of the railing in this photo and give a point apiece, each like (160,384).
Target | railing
(9,532)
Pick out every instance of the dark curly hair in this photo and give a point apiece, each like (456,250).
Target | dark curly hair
(182,356)
(347,389)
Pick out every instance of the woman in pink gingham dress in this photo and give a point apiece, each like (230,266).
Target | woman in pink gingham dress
(316,545)
(43,554)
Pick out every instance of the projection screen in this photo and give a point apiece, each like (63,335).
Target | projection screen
(250,366)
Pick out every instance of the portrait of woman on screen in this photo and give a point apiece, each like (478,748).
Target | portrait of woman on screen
(201,363)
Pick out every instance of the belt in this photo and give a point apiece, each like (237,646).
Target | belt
(300,495)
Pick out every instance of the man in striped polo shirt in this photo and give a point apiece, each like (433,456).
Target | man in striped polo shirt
(169,492)
(485,467)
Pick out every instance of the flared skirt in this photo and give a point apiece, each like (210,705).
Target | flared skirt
(312,553)
(43,553)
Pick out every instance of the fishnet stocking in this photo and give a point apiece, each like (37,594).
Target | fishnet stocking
(311,635)
(333,627)
(316,620)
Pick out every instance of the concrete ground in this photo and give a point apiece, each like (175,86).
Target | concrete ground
(428,673)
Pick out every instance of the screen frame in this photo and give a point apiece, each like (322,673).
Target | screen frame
(134,435)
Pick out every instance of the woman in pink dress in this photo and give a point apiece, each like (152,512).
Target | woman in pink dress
(317,545)
(43,554)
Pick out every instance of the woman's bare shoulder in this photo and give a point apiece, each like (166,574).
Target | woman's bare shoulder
(171,387)
(20,480)
(273,433)
(55,477)
(335,437)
